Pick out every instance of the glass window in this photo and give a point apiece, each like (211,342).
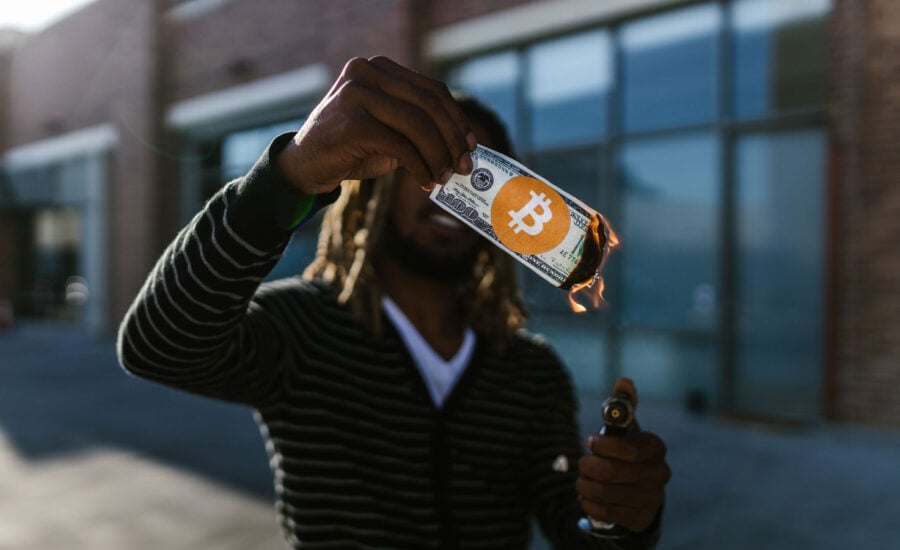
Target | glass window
(654,84)
(567,89)
(582,346)
(669,239)
(494,80)
(670,68)
(780,241)
(672,366)
(779,55)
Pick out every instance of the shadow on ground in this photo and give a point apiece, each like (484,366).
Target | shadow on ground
(63,392)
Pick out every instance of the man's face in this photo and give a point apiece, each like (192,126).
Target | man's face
(424,237)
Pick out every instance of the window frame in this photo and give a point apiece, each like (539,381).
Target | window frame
(727,128)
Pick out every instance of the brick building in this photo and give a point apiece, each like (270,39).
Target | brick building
(742,148)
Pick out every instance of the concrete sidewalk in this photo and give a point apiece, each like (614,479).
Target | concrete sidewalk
(91,459)
(109,499)
(738,486)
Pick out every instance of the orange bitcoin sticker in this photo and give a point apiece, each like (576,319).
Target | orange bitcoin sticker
(529,216)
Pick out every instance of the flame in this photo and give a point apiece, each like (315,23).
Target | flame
(594,286)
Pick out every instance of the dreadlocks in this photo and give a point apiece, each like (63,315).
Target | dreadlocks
(352,231)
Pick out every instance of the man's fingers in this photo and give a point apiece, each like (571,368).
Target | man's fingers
(636,447)
(627,495)
(626,386)
(438,91)
(376,117)
(655,472)
(429,98)
(386,150)
(435,99)
(405,120)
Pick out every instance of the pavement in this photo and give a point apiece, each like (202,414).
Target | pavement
(93,459)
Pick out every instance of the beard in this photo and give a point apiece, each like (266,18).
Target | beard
(427,262)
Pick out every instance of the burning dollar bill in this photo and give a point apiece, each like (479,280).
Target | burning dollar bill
(553,233)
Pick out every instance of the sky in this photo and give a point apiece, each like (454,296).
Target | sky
(33,15)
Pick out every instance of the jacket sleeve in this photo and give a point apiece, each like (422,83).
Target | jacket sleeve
(194,324)
(553,470)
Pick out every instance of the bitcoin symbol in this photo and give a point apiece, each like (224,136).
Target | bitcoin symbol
(530,210)
(529,216)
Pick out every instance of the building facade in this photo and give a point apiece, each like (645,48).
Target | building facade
(742,149)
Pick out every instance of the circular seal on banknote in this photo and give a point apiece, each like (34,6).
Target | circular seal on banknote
(482,179)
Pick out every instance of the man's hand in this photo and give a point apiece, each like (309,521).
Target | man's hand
(379,116)
(622,480)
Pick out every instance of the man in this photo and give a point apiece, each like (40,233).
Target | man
(402,405)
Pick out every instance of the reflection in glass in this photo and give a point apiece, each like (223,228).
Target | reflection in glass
(492,79)
(669,237)
(779,55)
(54,257)
(567,88)
(241,150)
(670,68)
(780,228)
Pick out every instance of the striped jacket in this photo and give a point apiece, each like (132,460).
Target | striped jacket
(361,457)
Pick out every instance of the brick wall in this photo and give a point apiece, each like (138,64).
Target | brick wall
(864,103)
(74,74)
(100,66)
(138,192)
(446,13)
(239,42)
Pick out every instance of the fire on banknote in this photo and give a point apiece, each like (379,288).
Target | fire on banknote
(553,233)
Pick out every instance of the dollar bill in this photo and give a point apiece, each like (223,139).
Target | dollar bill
(536,222)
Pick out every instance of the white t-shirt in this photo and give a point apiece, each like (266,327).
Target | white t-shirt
(440,375)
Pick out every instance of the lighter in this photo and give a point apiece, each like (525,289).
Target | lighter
(618,413)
